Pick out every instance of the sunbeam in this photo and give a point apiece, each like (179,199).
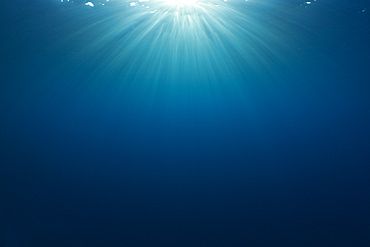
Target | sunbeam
(180,38)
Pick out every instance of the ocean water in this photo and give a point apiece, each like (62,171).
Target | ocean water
(184,123)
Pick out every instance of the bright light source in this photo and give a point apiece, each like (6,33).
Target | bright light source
(182,2)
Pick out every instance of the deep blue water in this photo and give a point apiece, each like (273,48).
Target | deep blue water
(243,124)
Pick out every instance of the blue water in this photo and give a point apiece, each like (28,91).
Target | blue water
(238,123)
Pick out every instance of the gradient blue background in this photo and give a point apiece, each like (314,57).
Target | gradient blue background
(101,154)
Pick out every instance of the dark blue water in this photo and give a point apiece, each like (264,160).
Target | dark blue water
(242,124)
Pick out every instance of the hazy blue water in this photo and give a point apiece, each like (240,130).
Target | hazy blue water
(243,124)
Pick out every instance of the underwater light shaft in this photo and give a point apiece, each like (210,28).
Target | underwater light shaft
(193,40)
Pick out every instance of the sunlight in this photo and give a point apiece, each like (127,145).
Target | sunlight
(179,38)
(182,2)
